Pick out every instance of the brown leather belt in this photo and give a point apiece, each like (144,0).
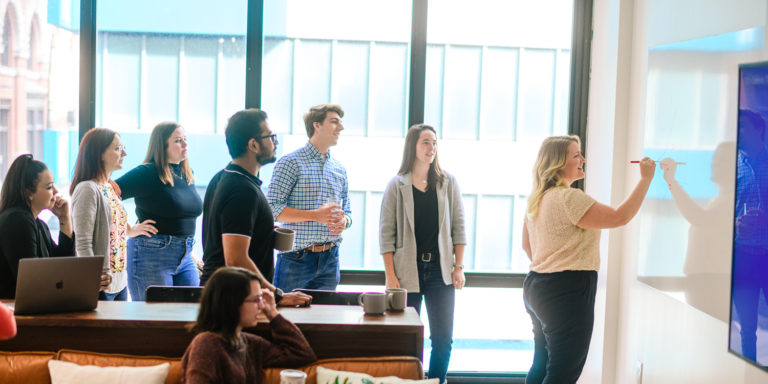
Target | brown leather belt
(319,247)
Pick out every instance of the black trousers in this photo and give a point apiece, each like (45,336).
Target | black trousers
(562,308)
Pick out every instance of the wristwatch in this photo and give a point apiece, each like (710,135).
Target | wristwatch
(278,294)
(460,266)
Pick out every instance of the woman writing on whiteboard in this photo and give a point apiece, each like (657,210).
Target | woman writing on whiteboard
(561,235)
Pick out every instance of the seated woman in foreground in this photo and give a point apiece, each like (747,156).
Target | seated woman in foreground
(27,191)
(222,353)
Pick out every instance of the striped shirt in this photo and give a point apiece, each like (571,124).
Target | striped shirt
(305,180)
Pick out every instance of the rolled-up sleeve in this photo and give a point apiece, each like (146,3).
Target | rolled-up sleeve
(284,178)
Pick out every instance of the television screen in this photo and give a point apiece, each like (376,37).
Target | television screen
(749,284)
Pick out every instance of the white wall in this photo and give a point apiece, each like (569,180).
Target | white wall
(675,342)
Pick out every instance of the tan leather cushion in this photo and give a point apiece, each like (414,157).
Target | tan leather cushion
(116,360)
(404,367)
(25,367)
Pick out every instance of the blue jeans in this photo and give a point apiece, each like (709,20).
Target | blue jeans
(117,296)
(307,269)
(440,299)
(160,260)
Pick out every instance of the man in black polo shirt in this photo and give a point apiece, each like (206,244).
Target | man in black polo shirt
(237,221)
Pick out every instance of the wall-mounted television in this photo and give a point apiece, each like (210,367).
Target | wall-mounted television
(748,336)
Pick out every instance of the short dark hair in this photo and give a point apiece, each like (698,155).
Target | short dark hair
(89,164)
(241,128)
(317,114)
(20,181)
(220,302)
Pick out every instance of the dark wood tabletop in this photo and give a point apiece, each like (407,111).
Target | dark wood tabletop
(161,329)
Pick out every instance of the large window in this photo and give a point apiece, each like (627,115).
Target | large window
(496,78)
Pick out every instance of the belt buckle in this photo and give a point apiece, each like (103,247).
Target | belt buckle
(426,257)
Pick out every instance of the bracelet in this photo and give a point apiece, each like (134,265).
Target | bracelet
(460,266)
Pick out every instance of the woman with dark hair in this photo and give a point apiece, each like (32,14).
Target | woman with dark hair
(28,190)
(100,221)
(422,239)
(221,352)
(561,236)
(165,194)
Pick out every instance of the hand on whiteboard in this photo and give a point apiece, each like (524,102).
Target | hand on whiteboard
(669,166)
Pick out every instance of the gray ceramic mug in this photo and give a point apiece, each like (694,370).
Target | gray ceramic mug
(284,239)
(396,299)
(374,303)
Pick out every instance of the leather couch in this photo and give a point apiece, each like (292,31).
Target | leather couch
(32,367)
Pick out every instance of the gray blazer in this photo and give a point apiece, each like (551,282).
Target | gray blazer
(396,233)
(91,218)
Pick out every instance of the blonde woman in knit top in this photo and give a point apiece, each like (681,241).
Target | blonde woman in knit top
(561,235)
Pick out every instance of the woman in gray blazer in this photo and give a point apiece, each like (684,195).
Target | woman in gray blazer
(99,218)
(422,239)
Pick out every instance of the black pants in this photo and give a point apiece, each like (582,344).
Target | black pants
(562,308)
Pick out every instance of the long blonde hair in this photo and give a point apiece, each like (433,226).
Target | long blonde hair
(548,169)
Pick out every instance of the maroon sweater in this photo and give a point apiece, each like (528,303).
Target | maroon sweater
(209,359)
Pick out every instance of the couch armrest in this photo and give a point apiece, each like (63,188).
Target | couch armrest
(25,367)
(116,360)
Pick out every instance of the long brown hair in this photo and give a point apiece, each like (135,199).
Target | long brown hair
(223,295)
(157,154)
(435,175)
(20,182)
(548,169)
(89,164)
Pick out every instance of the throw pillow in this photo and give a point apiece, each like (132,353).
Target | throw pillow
(63,372)
(330,376)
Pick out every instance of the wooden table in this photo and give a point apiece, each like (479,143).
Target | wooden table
(139,328)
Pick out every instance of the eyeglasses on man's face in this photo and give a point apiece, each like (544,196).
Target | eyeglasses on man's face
(272,137)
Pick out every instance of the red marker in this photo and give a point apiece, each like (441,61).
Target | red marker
(655,161)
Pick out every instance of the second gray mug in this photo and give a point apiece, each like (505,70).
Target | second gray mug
(396,299)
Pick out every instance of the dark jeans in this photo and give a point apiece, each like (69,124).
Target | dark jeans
(562,308)
(117,296)
(440,299)
(307,269)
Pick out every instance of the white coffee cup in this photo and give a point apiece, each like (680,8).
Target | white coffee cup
(292,376)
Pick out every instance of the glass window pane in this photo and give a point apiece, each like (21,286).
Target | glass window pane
(351,254)
(499,93)
(433,110)
(276,92)
(350,84)
(312,69)
(494,226)
(389,73)
(120,103)
(462,92)
(536,94)
(198,98)
(162,67)
(183,64)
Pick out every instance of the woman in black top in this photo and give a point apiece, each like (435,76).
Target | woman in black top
(28,190)
(164,194)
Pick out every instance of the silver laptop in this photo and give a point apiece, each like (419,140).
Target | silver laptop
(58,284)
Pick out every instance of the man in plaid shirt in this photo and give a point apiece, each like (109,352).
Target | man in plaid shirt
(309,194)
